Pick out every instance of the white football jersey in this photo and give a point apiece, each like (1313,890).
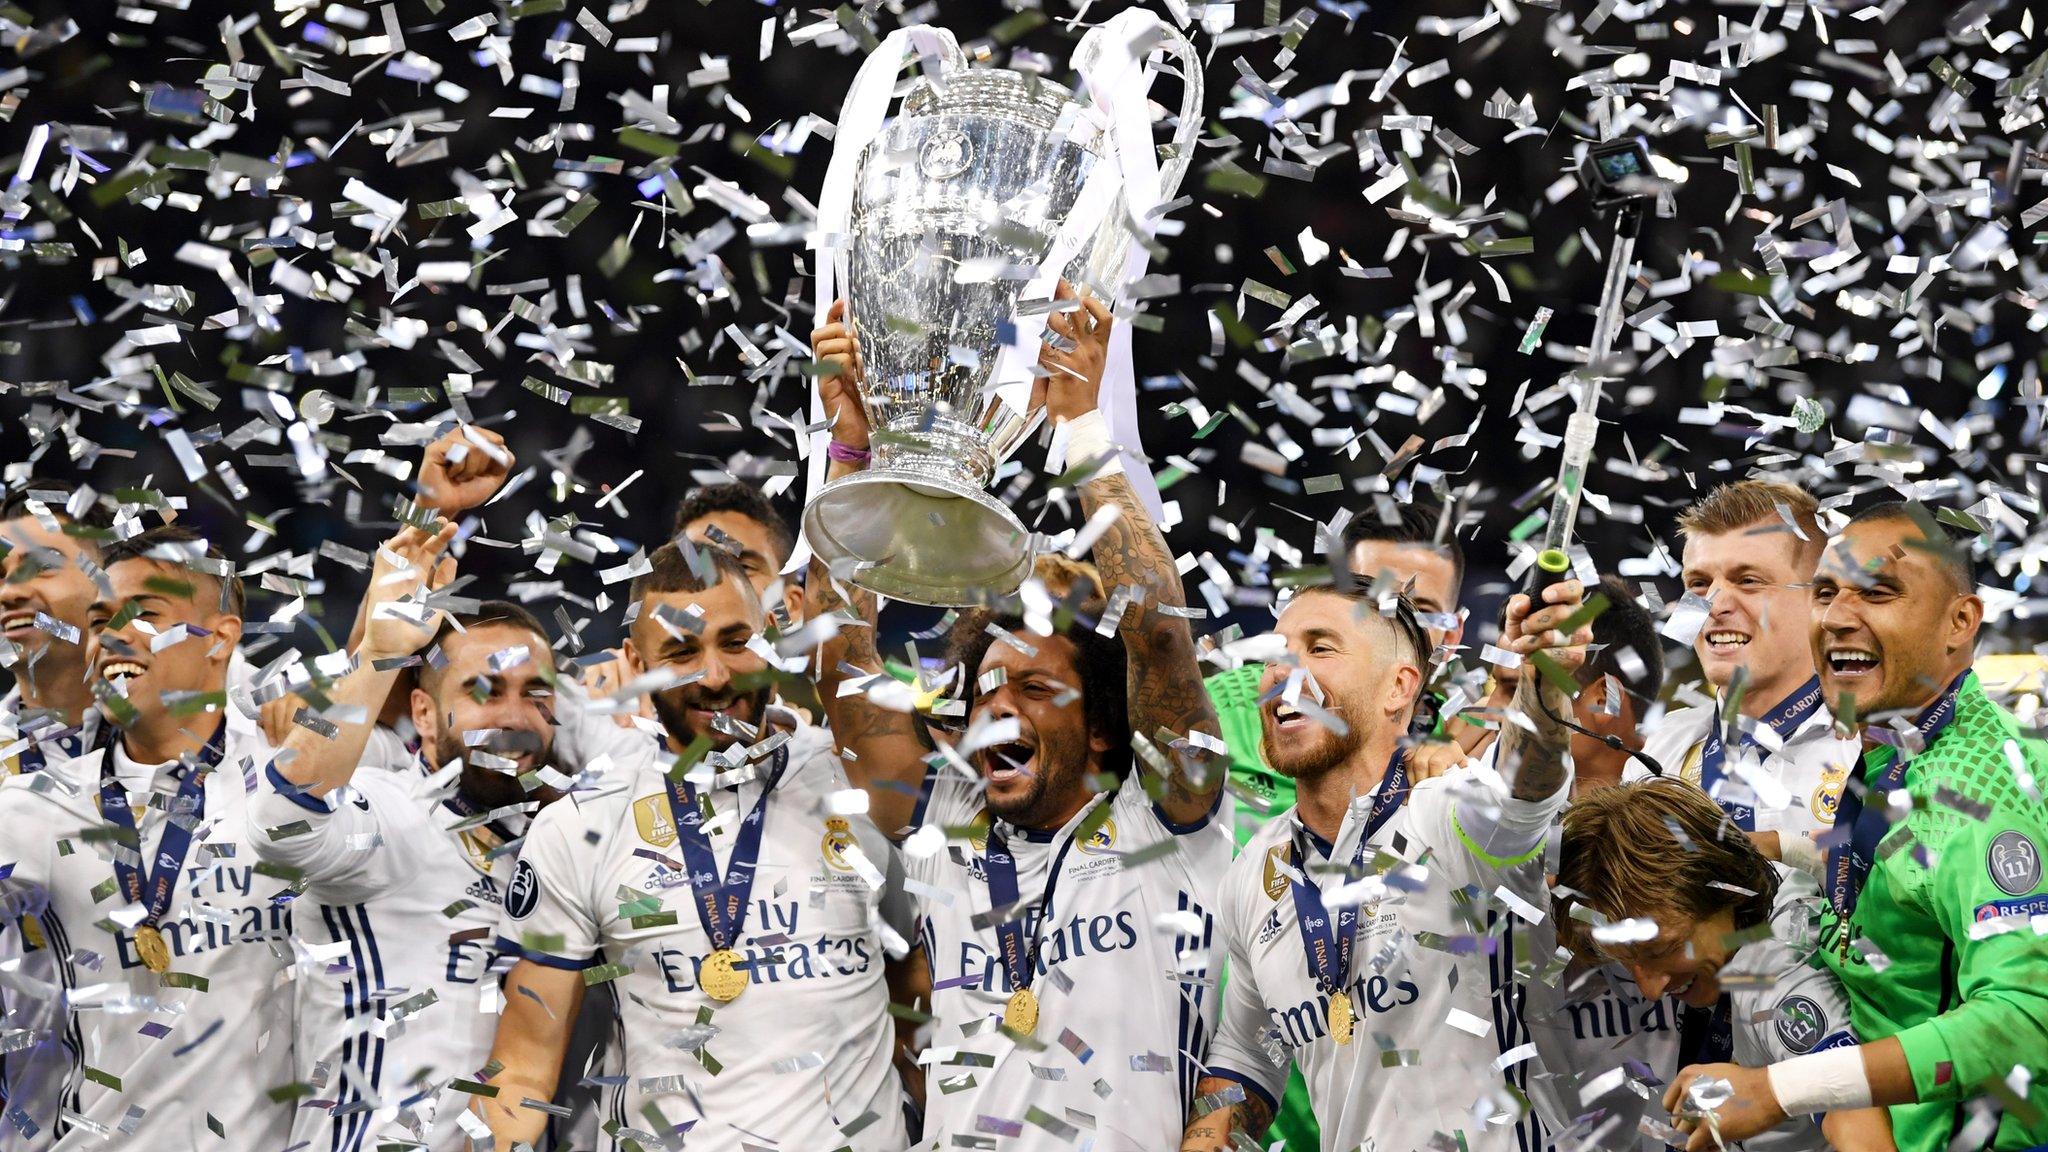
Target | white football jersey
(1793,788)
(801,1059)
(1434,978)
(32,1062)
(398,924)
(1609,1052)
(1125,982)
(186,1059)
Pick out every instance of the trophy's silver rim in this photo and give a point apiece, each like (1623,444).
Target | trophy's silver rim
(897,580)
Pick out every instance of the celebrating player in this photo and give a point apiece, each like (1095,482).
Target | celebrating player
(1766,750)
(47,714)
(1686,905)
(44,602)
(1933,875)
(137,859)
(733,898)
(1371,927)
(402,871)
(1067,889)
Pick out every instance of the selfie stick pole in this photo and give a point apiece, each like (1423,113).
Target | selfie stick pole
(1553,564)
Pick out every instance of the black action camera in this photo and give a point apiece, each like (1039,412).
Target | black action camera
(1618,171)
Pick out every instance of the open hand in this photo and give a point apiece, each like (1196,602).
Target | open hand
(1074,355)
(834,343)
(409,565)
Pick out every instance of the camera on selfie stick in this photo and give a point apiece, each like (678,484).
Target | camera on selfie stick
(1620,178)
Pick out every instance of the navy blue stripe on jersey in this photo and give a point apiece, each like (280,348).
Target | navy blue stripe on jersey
(362,1052)
(1507,996)
(1193,1047)
(337,1122)
(510,947)
(59,940)
(294,792)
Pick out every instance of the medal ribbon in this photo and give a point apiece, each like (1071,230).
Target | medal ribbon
(1327,941)
(154,892)
(1850,860)
(721,907)
(1785,719)
(1017,947)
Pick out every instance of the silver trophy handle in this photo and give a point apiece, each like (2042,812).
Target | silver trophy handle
(1183,50)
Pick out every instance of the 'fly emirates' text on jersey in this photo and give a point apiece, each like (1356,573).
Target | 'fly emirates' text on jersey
(1781,1004)
(1124,979)
(801,1058)
(398,926)
(185,1059)
(1443,933)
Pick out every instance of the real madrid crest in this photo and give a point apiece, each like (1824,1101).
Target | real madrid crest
(1103,839)
(838,838)
(1276,871)
(652,820)
(1827,796)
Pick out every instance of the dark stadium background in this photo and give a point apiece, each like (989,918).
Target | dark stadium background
(59,320)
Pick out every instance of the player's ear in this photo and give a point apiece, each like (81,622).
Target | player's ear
(1966,615)
(630,652)
(426,718)
(1403,688)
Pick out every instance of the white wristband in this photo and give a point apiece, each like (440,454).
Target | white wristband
(1797,850)
(1827,1081)
(1088,439)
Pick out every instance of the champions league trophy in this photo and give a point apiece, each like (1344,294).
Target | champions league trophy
(988,184)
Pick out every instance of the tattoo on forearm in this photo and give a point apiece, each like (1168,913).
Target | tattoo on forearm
(1166,690)
(1537,759)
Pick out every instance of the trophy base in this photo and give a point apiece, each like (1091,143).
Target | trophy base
(924,539)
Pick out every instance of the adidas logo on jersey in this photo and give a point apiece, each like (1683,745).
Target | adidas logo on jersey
(485,889)
(1271,928)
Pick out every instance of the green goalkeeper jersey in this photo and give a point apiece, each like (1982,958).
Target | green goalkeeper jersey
(1939,951)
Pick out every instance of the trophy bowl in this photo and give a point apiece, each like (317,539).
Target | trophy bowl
(957,204)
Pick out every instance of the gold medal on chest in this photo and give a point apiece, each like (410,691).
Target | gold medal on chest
(154,950)
(1020,1012)
(1342,1017)
(723,976)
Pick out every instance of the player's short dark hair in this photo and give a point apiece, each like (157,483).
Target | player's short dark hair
(1623,627)
(739,499)
(687,567)
(57,496)
(1414,524)
(1949,552)
(1396,609)
(1102,669)
(487,613)
(177,545)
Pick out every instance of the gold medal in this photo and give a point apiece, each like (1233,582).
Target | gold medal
(1341,1016)
(155,952)
(722,977)
(1020,1013)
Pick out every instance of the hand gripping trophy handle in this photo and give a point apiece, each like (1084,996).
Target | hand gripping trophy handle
(981,172)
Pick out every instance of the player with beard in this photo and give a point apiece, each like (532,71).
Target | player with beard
(1934,876)
(1765,750)
(402,873)
(169,949)
(727,888)
(1066,896)
(1374,929)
